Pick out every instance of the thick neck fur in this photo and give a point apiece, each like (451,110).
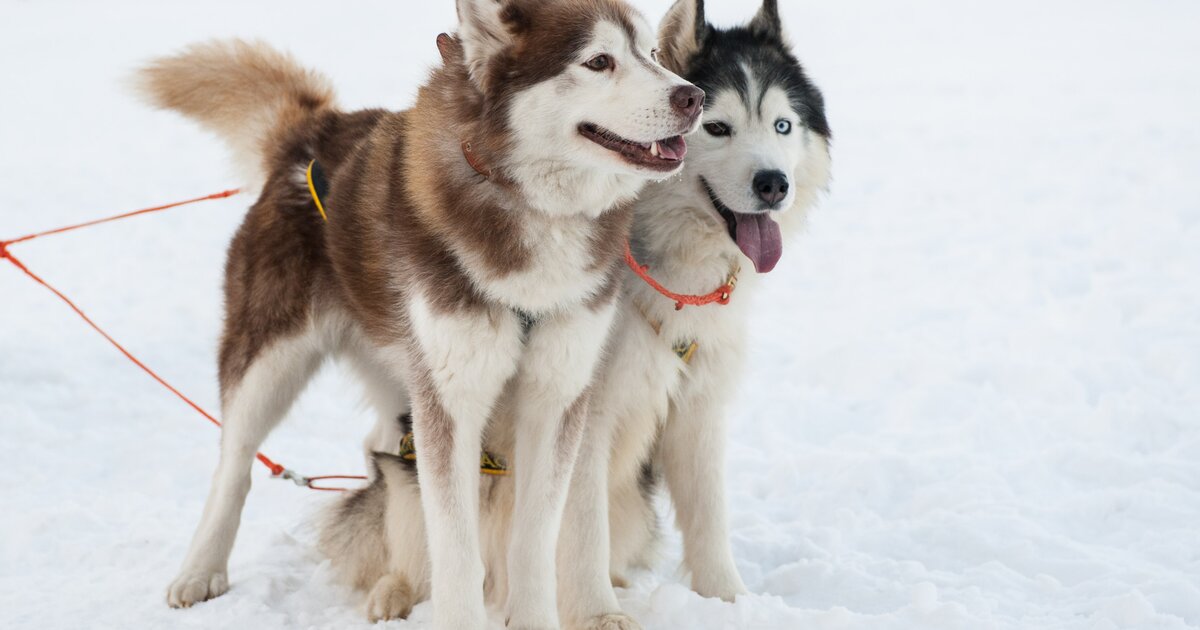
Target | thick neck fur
(514,251)
(686,243)
(687,246)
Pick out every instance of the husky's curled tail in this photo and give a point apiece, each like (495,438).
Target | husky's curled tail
(245,92)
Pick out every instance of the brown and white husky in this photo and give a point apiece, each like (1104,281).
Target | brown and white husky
(658,405)
(503,197)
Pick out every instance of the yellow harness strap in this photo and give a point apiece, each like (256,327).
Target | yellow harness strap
(489,464)
(312,189)
(685,349)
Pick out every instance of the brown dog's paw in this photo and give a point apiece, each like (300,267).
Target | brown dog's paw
(390,598)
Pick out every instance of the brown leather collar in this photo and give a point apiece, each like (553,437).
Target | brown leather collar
(475,160)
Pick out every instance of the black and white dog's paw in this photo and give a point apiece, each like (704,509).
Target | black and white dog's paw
(727,589)
(616,621)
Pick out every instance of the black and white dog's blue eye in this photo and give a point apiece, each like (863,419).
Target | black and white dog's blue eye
(783,126)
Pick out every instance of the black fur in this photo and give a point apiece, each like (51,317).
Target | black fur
(648,481)
(760,46)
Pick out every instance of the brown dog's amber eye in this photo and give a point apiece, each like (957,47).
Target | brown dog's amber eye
(600,63)
(718,129)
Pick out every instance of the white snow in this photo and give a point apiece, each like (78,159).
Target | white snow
(973,400)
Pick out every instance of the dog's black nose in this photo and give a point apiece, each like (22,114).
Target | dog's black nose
(771,186)
(687,100)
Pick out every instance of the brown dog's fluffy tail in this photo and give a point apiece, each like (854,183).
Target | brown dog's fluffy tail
(245,92)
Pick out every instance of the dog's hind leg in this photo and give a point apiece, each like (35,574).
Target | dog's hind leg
(386,394)
(252,406)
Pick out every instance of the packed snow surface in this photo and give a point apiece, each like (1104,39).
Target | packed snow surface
(973,400)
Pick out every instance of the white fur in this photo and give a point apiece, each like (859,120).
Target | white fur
(402,529)
(558,174)
(759,148)
(520,513)
(646,404)
(650,402)
(469,357)
(560,359)
(560,268)
(383,390)
(560,171)
(250,411)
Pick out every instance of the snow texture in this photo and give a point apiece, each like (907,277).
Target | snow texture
(975,379)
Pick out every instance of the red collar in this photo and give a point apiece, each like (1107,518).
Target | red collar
(721,295)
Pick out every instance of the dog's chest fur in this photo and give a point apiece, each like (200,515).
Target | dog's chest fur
(717,331)
(567,261)
(408,214)
(564,261)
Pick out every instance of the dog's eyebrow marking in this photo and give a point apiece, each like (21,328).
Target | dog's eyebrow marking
(765,85)
(762,97)
(622,19)
(732,79)
(750,87)
(631,41)
(648,63)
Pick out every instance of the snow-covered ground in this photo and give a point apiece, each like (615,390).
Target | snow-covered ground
(975,395)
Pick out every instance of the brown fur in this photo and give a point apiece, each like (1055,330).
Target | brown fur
(222,84)
(571,431)
(679,34)
(393,211)
(410,222)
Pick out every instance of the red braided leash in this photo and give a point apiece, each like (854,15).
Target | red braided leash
(277,470)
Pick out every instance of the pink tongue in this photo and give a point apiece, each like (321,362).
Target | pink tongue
(673,148)
(760,240)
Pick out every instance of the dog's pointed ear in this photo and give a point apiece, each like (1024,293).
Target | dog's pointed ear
(483,32)
(450,49)
(767,21)
(682,34)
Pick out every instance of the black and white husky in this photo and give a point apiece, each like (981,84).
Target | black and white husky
(658,409)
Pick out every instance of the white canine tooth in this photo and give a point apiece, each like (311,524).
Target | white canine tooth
(654,149)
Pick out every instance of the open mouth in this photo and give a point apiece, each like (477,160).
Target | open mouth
(660,155)
(757,235)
